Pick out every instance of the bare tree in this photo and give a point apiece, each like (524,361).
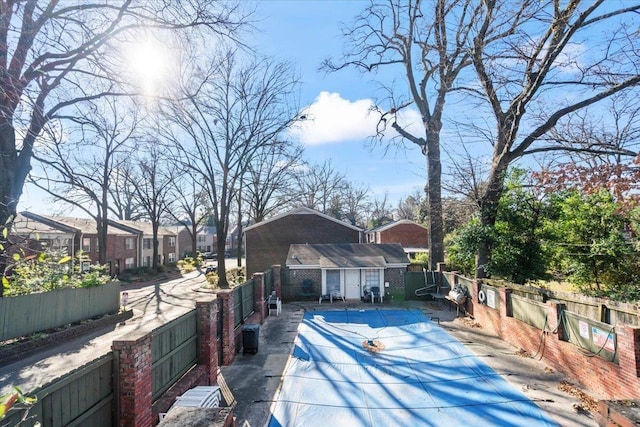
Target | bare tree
(535,76)
(152,184)
(53,54)
(602,150)
(381,212)
(356,203)
(191,204)
(317,185)
(240,107)
(409,207)
(269,182)
(122,200)
(78,167)
(428,41)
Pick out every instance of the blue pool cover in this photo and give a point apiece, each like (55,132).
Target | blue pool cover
(415,374)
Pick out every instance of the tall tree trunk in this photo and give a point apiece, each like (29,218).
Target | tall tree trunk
(434,199)
(489,212)
(8,199)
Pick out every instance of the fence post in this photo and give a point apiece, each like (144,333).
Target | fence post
(628,344)
(228,327)
(208,335)
(133,358)
(258,295)
(554,318)
(277,279)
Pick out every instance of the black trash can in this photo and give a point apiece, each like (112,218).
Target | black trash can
(250,335)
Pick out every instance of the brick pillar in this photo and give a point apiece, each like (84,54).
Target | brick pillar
(133,358)
(554,322)
(503,308)
(628,342)
(208,354)
(503,296)
(277,279)
(228,327)
(258,295)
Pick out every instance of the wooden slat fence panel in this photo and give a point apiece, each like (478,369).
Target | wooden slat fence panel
(531,312)
(595,337)
(243,302)
(46,310)
(174,350)
(83,397)
(414,280)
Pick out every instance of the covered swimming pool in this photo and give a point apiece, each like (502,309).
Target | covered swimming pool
(391,367)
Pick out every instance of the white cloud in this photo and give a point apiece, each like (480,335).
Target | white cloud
(331,119)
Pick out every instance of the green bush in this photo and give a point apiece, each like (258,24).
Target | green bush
(50,271)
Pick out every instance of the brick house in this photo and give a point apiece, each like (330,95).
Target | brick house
(347,269)
(267,242)
(413,237)
(31,237)
(122,244)
(167,241)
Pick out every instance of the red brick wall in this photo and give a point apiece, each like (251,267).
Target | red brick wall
(116,250)
(607,379)
(268,244)
(409,235)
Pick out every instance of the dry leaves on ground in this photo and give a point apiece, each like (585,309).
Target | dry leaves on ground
(373,346)
(587,402)
(469,322)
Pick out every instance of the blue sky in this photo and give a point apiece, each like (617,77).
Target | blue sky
(305,32)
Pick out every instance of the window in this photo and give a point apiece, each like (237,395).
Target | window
(201,239)
(129,263)
(128,243)
(371,278)
(147,243)
(86,244)
(172,241)
(172,257)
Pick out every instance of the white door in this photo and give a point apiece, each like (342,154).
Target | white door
(352,284)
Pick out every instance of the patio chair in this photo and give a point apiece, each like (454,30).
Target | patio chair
(307,288)
(375,293)
(274,305)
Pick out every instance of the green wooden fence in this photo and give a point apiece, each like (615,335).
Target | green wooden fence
(243,302)
(174,350)
(26,314)
(529,311)
(83,397)
(595,337)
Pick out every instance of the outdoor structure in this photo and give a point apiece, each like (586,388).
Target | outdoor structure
(348,270)
(267,242)
(129,243)
(411,235)
(167,241)
(30,237)
(122,244)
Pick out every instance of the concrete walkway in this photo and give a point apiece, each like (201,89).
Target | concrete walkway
(254,380)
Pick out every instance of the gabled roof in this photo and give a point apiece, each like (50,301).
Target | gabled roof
(71,224)
(302,211)
(25,224)
(393,224)
(347,255)
(140,227)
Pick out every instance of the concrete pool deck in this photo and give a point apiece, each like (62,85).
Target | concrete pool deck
(254,380)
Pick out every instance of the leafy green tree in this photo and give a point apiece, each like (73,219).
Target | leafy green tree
(592,245)
(515,239)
